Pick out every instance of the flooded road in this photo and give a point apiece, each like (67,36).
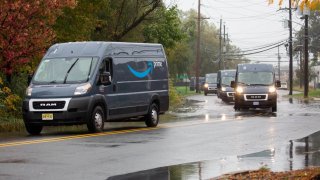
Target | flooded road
(203,139)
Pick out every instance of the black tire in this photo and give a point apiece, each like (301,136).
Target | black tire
(96,121)
(274,108)
(33,129)
(152,118)
(236,107)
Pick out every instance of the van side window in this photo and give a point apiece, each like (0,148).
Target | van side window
(106,66)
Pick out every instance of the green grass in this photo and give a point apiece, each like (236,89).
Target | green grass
(185,91)
(11,124)
(313,93)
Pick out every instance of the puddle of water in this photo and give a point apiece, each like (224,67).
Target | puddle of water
(13,161)
(297,154)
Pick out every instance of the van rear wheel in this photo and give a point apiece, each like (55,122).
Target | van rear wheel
(274,108)
(33,129)
(96,121)
(152,118)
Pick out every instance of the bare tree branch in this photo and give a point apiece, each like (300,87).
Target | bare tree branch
(155,4)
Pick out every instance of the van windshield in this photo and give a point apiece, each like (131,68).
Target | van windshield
(256,78)
(226,80)
(65,70)
(211,79)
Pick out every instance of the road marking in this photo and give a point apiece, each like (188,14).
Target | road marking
(163,126)
(46,140)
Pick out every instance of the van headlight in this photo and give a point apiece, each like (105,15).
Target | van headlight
(239,89)
(206,85)
(29,91)
(82,89)
(272,89)
(223,89)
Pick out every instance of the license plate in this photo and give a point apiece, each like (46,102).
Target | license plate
(255,103)
(47,117)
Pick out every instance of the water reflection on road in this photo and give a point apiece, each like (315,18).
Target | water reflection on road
(296,154)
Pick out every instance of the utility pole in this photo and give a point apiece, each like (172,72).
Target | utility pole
(224,45)
(290,50)
(198,51)
(279,58)
(301,68)
(306,57)
(220,45)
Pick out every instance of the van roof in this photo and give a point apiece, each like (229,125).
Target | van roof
(255,67)
(100,49)
(229,72)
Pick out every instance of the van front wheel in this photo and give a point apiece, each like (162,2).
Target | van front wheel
(96,121)
(33,129)
(152,118)
(274,108)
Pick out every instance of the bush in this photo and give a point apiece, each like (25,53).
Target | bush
(9,102)
(175,98)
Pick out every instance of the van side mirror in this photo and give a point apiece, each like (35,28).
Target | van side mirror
(105,78)
(30,76)
(233,84)
(278,83)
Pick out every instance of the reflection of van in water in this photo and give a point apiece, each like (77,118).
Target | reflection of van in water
(92,82)
(255,87)
(224,91)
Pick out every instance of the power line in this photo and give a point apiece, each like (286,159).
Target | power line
(255,52)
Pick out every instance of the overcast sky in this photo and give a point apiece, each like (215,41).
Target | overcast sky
(249,23)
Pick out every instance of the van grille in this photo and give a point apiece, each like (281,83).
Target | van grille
(252,97)
(49,105)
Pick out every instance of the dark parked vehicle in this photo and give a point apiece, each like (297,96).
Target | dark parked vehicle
(224,91)
(192,84)
(255,87)
(210,85)
(93,82)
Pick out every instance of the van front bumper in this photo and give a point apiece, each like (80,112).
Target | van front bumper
(226,96)
(76,113)
(241,102)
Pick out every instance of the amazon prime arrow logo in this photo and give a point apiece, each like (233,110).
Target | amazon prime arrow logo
(144,73)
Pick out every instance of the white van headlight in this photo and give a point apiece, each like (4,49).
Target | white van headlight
(239,89)
(272,89)
(223,89)
(206,85)
(29,91)
(82,89)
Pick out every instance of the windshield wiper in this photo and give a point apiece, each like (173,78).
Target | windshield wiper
(65,78)
(242,83)
(259,84)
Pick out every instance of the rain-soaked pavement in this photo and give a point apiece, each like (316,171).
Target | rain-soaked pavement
(297,154)
(203,139)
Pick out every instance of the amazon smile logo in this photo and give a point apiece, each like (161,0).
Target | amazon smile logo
(144,73)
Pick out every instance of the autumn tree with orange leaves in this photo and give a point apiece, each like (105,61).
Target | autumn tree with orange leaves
(25,31)
(311,4)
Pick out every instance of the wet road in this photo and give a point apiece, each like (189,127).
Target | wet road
(204,139)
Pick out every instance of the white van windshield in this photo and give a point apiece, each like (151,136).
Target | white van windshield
(255,78)
(65,70)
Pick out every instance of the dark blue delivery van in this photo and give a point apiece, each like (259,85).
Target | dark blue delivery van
(224,91)
(93,82)
(255,87)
